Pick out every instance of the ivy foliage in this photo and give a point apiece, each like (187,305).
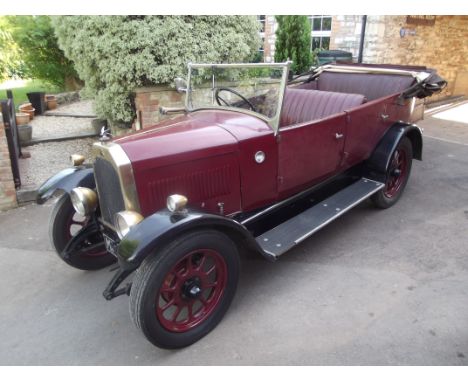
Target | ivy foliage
(116,54)
(293,42)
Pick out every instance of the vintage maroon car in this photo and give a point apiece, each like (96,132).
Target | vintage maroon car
(252,164)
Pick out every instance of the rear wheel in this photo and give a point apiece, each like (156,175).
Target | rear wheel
(181,293)
(397,175)
(65,223)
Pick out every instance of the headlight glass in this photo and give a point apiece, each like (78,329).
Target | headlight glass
(125,220)
(84,200)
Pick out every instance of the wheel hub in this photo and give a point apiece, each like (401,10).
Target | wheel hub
(192,288)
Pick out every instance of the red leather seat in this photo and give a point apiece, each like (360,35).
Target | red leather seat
(302,105)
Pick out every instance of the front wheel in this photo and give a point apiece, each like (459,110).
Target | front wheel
(181,293)
(397,175)
(65,223)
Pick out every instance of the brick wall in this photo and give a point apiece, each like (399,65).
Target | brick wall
(442,46)
(270,39)
(7,186)
(149,99)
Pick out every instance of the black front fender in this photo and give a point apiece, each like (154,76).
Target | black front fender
(162,227)
(66,180)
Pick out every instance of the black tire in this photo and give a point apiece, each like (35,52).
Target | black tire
(395,186)
(60,234)
(150,278)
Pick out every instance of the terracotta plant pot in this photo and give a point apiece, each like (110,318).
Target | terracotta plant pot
(22,119)
(51,102)
(51,105)
(28,109)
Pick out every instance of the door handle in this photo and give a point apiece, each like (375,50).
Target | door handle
(339,136)
(384,116)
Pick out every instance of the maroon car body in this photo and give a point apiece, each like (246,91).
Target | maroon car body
(256,165)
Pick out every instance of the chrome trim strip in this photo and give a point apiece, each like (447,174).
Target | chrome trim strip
(310,233)
(114,153)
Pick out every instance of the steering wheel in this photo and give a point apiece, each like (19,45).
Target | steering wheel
(221,100)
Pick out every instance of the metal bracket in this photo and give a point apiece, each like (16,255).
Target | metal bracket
(111,291)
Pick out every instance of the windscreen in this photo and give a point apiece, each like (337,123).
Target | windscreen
(251,88)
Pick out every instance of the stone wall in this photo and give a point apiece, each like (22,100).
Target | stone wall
(149,99)
(389,39)
(7,186)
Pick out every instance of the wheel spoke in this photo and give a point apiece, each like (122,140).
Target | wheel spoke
(209,271)
(176,313)
(211,285)
(168,304)
(202,263)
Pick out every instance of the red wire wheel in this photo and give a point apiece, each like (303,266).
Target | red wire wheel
(182,291)
(398,173)
(191,290)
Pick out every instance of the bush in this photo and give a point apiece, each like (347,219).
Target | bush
(116,54)
(38,52)
(293,42)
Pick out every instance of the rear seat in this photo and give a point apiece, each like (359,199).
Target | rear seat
(302,105)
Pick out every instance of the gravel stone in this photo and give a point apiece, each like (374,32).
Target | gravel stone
(84,107)
(49,158)
(52,127)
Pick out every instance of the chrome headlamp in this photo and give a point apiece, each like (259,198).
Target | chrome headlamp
(176,203)
(84,200)
(125,220)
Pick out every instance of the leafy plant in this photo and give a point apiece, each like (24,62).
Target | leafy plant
(293,42)
(9,59)
(38,53)
(116,54)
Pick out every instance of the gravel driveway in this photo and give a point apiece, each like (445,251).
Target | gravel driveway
(48,158)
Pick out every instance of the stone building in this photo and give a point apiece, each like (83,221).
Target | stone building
(439,42)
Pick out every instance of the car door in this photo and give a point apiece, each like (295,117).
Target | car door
(309,152)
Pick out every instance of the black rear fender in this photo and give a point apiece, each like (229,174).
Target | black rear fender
(162,227)
(66,180)
(379,161)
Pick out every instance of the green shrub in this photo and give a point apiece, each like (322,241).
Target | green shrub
(38,52)
(116,54)
(293,42)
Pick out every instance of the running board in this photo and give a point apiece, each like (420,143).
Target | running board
(283,237)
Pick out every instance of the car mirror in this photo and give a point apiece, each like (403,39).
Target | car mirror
(180,85)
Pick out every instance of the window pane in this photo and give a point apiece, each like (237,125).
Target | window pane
(316,24)
(325,43)
(315,43)
(326,25)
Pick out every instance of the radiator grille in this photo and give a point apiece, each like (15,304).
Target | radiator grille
(110,194)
